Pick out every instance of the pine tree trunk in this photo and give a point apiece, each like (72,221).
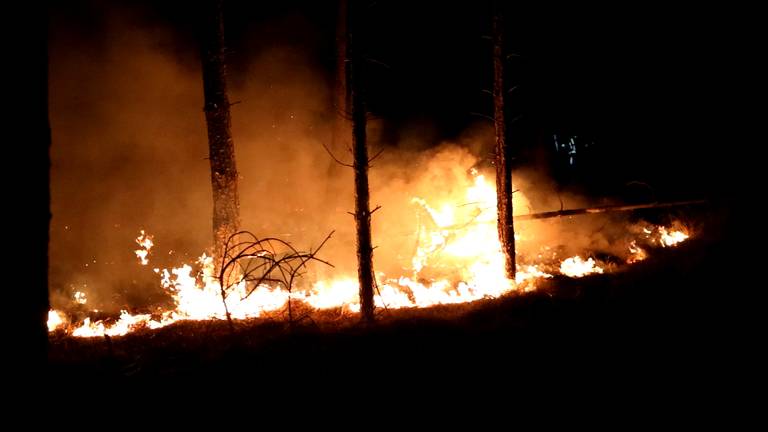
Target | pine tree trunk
(503,159)
(34,266)
(360,165)
(226,203)
(341,95)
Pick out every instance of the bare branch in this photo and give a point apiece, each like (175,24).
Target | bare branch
(377,62)
(606,209)
(482,115)
(334,157)
(260,261)
(375,156)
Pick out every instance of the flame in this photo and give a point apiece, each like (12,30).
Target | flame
(637,253)
(577,267)
(457,259)
(55,320)
(80,297)
(672,238)
(145,242)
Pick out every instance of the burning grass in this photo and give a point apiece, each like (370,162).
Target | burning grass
(453,257)
(197,296)
(565,321)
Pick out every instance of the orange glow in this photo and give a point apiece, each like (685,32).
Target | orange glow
(672,237)
(145,242)
(55,320)
(457,259)
(577,267)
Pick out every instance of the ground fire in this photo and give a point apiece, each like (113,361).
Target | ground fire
(456,258)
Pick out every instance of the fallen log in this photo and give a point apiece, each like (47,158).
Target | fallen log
(605,209)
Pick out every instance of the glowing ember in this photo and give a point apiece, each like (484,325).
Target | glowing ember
(637,253)
(80,297)
(457,258)
(145,242)
(576,267)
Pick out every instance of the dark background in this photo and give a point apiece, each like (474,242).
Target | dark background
(650,91)
(661,91)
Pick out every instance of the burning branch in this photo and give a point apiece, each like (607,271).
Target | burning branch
(259,261)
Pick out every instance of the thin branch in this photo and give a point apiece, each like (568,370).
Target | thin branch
(482,115)
(376,156)
(605,209)
(334,157)
(377,62)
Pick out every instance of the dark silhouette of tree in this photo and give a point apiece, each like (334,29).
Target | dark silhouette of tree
(226,202)
(350,85)
(29,216)
(503,159)
(361,163)
(342,128)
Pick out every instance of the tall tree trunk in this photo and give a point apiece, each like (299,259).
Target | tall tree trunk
(360,166)
(503,159)
(341,133)
(37,284)
(226,203)
(28,195)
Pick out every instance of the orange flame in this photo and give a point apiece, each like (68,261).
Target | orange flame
(577,267)
(145,242)
(458,259)
(672,238)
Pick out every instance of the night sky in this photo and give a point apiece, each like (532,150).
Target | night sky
(646,86)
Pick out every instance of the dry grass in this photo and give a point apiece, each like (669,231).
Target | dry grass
(656,317)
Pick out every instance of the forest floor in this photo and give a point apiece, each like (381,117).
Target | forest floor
(678,319)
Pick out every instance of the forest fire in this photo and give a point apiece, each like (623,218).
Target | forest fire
(432,195)
(457,259)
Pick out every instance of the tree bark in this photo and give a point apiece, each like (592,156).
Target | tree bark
(503,160)
(37,285)
(341,134)
(226,202)
(360,165)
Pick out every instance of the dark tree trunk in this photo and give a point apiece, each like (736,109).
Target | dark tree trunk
(341,93)
(226,203)
(503,159)
(28,195)
(42,210)
(360,165)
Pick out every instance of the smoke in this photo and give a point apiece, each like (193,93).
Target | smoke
(129,153)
